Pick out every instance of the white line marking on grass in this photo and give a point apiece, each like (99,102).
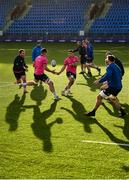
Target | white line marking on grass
(7,85)
(107,143)
(5,82)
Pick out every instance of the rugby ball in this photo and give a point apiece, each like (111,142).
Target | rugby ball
(53,62)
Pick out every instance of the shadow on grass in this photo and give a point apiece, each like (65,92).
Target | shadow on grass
(89,82)
(125,168)
(114,138)
(38,94)
(125,118)
(78,113)
(125,128)
(40,127)
(112,113)
(13,112)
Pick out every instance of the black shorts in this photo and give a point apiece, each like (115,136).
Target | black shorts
(19,75)
(70,74)
(83,60)
(42,77)
(112,91)
(89,60)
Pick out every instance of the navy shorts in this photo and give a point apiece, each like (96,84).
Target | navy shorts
(109,91)
(70,74)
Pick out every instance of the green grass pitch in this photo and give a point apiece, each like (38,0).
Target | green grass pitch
(40,138)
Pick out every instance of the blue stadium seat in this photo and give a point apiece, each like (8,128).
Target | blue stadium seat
(49,16)
(115,21)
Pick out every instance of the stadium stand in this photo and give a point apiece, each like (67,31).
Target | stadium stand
(116,20)
(6,7)
(51,16)
(53,19)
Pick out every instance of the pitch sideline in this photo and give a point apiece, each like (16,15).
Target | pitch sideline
(106,143)
(6,84)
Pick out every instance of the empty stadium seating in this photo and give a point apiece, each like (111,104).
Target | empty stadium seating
(52,16)
(116,20)
(6,7)
(45,17)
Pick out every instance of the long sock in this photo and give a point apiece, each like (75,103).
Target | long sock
(55,94)
(24,86)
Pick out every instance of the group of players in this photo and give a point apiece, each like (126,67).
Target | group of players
(112,80)
(86,52)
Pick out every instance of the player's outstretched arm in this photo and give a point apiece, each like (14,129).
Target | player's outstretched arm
(49,70)
(62,69)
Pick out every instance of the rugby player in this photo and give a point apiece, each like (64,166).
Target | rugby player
(40,65)
(113,77)
(19,69)
(70,64)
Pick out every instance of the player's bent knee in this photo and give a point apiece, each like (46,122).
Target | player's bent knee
(103,95)
(71,78)
(112,98)
(49,81)
(36,81)
(23,78)
(18,81)
(99,97)
(31,83)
